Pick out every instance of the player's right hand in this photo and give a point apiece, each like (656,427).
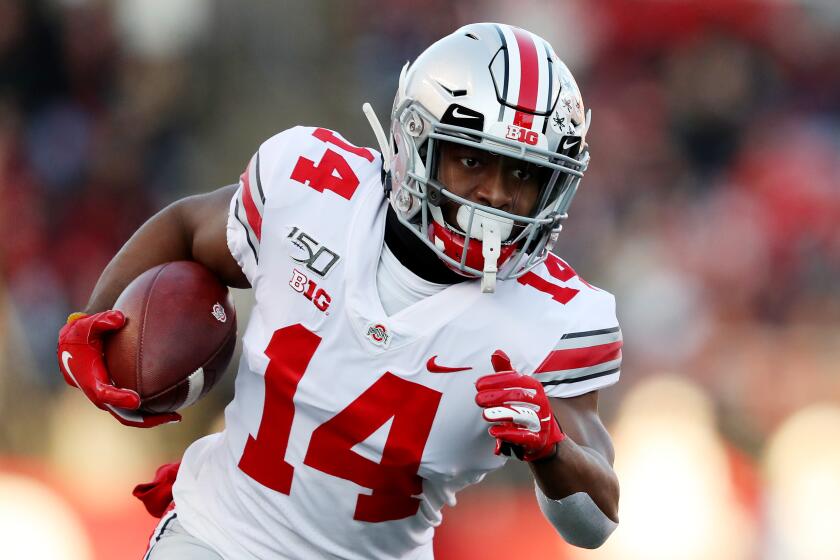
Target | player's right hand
(82,364)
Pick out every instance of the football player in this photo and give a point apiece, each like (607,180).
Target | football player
(412,329)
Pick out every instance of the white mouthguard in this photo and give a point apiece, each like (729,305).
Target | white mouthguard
(480,221)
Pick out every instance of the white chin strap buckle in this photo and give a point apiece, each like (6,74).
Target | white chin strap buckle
(490,230)
(490,246)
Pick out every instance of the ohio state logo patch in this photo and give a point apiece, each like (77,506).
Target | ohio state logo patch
(378,334)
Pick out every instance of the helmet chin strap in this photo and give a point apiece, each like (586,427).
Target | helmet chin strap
(379,132)
(490,244)
(490,230)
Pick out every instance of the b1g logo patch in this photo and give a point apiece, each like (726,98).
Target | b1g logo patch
(524,135)
(310,290)
(378,334)
(304,249)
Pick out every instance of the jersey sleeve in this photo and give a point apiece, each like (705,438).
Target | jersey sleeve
(247,208)
(586,359)
(244,226)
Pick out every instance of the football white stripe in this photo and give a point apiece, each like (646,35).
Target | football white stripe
(195,384)
(125,414)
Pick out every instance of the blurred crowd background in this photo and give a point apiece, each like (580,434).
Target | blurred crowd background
(711,208)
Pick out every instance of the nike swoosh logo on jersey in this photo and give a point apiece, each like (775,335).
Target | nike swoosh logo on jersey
(433,367)
(459,115)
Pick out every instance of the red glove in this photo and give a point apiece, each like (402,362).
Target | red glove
(81,362)
(519,410)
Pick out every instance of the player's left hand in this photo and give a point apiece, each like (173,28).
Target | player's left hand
(519,410)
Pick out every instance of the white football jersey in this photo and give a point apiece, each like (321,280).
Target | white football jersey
(351,429)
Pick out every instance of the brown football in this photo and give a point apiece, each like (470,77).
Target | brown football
(178,339)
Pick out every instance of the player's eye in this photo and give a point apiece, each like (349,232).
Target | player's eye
(522,174)
(469,162)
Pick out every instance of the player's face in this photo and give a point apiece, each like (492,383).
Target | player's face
(500,182)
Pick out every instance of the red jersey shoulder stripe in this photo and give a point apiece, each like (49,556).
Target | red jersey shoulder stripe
(251,212)
(575,358)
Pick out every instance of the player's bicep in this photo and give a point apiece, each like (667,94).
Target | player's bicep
(578,417)
(206,220)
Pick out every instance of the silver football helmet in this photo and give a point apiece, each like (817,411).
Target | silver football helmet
(499,89)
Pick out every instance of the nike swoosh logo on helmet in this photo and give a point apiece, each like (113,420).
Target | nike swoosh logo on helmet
(435,368)
(459,115)
(566,145)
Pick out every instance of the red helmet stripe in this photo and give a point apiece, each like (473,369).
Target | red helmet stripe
(251,212)
(529,79)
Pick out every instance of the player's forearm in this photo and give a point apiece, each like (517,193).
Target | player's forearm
(575,468)
(194,228)
(163,238)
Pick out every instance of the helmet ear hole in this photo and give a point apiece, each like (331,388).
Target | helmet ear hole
(433,193)
(423,150)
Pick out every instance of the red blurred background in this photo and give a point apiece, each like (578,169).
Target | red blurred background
(711,209)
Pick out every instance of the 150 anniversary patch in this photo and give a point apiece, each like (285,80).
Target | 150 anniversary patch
(308,252)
